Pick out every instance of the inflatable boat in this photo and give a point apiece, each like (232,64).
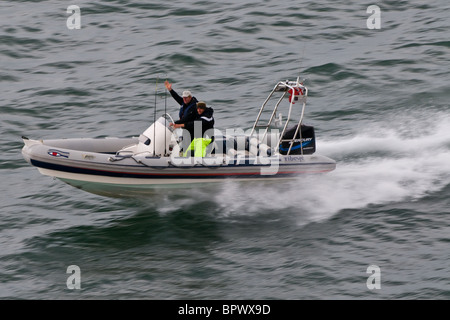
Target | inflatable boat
(272,149)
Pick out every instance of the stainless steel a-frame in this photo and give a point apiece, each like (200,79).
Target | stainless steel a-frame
(298,93)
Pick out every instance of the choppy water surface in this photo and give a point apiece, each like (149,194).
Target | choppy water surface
(378,101)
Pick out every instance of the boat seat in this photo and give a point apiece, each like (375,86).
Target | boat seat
(257,148)
(234,153)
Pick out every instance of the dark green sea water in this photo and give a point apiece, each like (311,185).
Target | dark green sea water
(379,100)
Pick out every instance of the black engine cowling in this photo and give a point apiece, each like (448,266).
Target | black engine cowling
(304,143)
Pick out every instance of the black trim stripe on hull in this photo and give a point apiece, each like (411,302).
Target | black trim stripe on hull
(116,174)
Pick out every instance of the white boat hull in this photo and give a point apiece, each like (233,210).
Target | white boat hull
(102,173)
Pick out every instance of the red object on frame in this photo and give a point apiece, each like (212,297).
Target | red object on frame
(294,94)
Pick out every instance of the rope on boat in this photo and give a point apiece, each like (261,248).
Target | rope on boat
(198,164)
(120,157)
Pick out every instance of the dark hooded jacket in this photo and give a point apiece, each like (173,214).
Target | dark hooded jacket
(188,112)
(206,120)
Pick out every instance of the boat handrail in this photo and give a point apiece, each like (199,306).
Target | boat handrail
(285,87)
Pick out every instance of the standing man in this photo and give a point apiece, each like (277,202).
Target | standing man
(188,112)
(188,103)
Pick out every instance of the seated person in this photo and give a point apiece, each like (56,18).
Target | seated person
(197,128)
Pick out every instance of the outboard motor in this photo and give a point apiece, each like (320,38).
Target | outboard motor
(156,139)
(304,141)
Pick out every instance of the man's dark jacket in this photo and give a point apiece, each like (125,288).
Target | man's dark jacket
(188,112)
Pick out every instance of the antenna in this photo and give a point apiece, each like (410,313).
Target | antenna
(165,120)
(300,65)
(154,119)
